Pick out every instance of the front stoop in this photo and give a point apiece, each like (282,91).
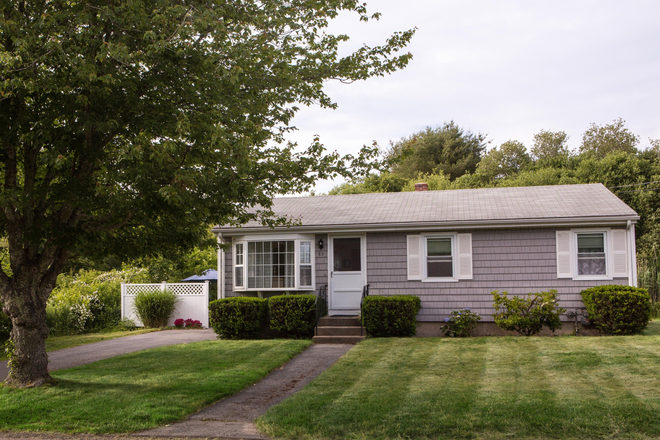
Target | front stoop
(339,330)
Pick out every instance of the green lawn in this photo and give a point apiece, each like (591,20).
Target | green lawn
(145,389)
(492,387)
(54,343)
(653,329)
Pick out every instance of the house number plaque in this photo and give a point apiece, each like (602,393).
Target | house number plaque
(320,254)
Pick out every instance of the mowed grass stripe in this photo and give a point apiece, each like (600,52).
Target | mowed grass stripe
(599,378)
(515,394)
(514,387)
(144,389)
(443,392)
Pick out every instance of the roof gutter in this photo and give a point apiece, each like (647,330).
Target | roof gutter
(417,226)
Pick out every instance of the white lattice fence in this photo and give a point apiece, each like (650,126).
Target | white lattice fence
(193,300)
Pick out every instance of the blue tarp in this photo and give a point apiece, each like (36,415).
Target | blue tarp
(208,275)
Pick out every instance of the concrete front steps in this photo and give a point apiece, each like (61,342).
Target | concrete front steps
(339,330)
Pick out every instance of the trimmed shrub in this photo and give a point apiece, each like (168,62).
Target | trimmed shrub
(5,326)
(154,308)
(618,310)
(293,316)
(240,317)
(390,316)
(461,323)
(527,315)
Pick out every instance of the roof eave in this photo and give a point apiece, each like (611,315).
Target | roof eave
(415,226)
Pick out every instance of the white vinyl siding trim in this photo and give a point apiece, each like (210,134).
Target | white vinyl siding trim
(564,254)
(414,257)
(464,256)
(619,254)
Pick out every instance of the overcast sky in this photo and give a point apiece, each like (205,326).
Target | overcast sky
(507,68)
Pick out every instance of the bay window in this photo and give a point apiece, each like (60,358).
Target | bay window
(274,264)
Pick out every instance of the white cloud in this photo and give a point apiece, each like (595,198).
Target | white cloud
(506,68)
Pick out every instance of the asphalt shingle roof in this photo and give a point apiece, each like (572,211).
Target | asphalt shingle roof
(478,205)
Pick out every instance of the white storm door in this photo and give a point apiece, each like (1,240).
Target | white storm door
(347,272)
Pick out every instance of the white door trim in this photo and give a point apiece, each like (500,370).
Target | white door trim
(331,258)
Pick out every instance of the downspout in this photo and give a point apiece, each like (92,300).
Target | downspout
(632,256)
(221,268)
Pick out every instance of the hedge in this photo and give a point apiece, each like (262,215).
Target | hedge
(238,317)
(293,316)
(618,310)
(390,316)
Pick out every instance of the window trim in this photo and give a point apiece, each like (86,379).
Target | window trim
(608,254)
(300,263)
(235,265)
(297,239)
(454,257)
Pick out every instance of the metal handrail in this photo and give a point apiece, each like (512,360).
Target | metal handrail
(365,293)
(320,306)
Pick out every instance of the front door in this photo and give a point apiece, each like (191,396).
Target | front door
(347,272)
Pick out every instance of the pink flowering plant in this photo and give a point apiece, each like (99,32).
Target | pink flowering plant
(190,323)
(179,323)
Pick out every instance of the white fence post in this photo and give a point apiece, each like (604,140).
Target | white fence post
(123,293)
(206,322)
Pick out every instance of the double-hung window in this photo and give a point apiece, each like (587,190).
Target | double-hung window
(439,257)
(305,264)
(593,254)
(239,266)
(274,264)
(591,259)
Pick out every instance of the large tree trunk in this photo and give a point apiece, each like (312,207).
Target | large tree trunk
(29,363)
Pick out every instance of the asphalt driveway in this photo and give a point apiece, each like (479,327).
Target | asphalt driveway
(86,354)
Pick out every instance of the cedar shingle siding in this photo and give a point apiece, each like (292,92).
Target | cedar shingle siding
(516,261)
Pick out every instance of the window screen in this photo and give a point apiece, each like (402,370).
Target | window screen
(439,263)
(591,254)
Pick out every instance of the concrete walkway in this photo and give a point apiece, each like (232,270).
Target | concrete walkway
(86,354)
(233,417)
(230,418)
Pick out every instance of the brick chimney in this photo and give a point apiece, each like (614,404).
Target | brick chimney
(421,187)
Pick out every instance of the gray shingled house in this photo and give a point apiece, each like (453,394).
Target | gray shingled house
(450,248)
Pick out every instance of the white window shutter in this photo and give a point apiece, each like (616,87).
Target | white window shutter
(619,253)
(564,254)
(464,257)
(414,257)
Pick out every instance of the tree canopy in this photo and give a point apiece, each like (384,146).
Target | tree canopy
(130,126)
(447,149)
(600,141)
(633,175)
(507,160)
(550,148)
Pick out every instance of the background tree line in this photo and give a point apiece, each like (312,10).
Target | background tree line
(450,157)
